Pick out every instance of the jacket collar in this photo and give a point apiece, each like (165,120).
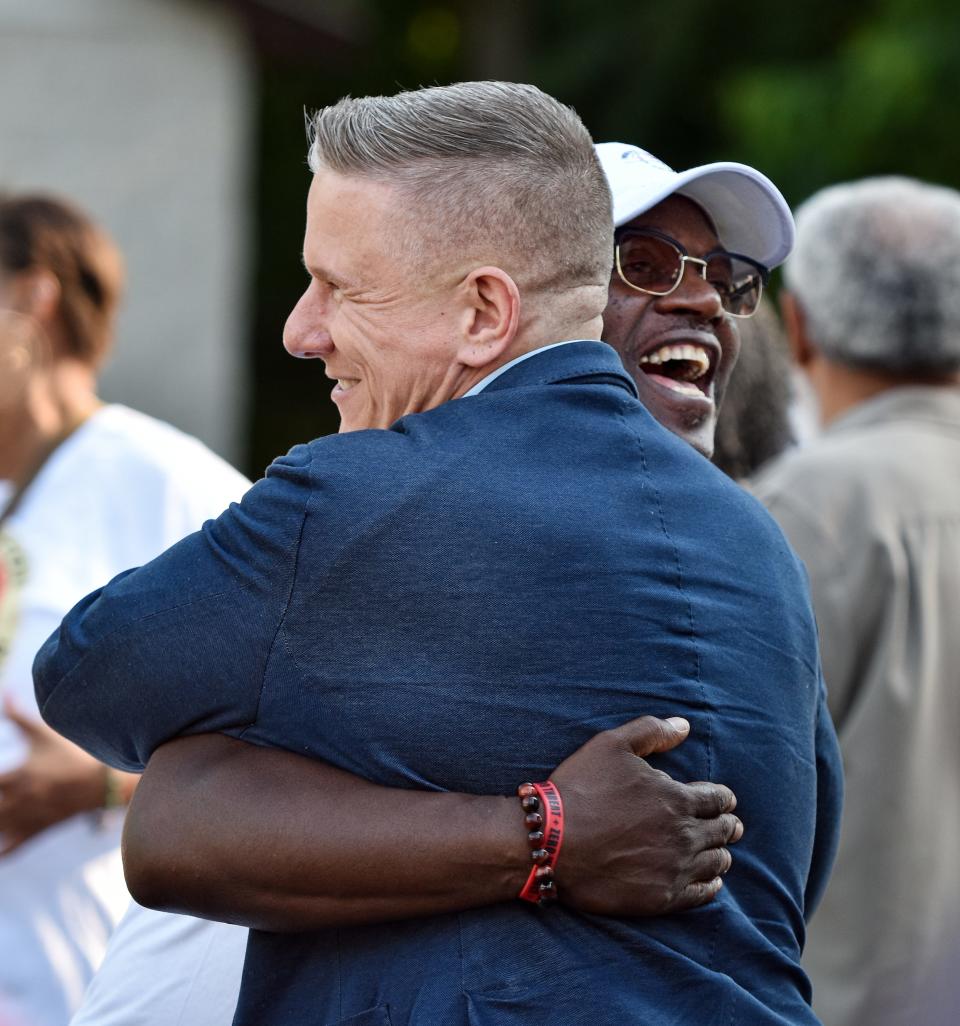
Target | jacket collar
(939,404)
(578,360)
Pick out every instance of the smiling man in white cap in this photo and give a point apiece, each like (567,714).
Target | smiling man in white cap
(693,252)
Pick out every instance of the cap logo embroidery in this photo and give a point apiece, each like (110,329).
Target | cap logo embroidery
(645,158)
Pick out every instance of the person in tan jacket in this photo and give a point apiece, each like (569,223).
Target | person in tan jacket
(873,509)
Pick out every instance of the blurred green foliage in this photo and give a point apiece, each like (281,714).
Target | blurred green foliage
(811,93)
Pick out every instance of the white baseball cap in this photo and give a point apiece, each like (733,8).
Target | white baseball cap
(750,215)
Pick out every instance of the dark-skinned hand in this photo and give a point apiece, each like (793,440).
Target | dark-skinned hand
(637,842)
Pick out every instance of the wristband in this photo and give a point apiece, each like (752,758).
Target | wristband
(113,796)
(544,820)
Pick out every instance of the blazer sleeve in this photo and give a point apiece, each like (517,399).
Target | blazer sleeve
(180,645)
(829,805)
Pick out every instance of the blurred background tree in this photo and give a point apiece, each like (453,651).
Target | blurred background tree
(810,93)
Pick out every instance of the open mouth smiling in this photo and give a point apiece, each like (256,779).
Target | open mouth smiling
(684,367)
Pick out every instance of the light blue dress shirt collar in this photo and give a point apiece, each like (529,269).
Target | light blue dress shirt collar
(481,385)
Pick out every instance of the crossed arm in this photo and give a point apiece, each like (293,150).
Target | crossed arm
(263,838)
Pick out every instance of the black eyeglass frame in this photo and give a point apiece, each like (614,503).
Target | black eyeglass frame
(685,258)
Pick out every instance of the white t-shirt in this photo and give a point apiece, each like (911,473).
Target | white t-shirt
(166,970)
(115,494)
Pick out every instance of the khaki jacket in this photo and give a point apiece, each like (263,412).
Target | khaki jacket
(873,510)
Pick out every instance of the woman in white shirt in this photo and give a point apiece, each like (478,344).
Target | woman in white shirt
(88,490)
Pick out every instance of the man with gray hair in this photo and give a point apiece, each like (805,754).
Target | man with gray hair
(873,509)
(456,600)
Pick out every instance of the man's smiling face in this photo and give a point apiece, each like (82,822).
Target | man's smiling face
(385,329)
(679,349)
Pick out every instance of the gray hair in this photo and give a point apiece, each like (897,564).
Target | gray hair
(876,268)
(499,171)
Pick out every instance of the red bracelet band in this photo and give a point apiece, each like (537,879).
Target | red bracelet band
(544,809)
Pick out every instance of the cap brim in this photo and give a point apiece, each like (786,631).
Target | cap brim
(747,209)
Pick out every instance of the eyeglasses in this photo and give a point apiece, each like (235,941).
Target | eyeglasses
(652,262)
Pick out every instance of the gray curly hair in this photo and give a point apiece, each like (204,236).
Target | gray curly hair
(499,170)
(876,268)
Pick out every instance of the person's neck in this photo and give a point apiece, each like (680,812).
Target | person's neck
(54,403)
(537,334)
(840,387)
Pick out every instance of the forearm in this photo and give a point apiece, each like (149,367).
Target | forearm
(285,843)
(264,838)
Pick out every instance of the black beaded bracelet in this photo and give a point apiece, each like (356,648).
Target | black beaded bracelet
(543,818)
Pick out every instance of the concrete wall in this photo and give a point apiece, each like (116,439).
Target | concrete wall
(141,110)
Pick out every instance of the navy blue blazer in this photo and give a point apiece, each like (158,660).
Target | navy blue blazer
(459,602)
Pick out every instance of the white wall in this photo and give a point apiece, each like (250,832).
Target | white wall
(141,110)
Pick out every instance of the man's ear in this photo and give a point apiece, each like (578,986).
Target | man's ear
(490,316)
(37,294)
(795,325)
